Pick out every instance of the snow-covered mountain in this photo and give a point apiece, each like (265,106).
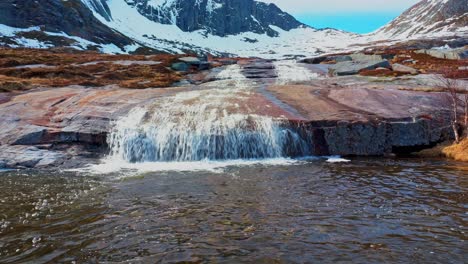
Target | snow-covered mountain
(220,18)
(259,35)
(238,27)
(234,27)
(429,18)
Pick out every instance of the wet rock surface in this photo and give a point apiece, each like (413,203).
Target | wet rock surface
(353,115)
(62,118)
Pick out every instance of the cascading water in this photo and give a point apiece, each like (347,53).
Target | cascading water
(290,72)
(208,124)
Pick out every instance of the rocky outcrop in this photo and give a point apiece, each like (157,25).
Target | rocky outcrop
(373,138)
(446,53)
(69,126)
(354,67)
(218,17)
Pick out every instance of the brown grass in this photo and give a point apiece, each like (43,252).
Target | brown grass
(381,73)
(457,151)
(423,62)
(422,89)
(66,68)
(15,57)
(428,64)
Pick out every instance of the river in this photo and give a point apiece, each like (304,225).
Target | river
(309,211)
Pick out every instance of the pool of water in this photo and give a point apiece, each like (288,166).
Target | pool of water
(364,211)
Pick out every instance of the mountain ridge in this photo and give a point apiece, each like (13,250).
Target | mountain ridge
(221,27)
(429,17)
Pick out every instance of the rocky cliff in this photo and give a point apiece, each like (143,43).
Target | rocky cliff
(218,17)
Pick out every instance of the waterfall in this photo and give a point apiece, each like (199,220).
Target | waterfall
(291,72)
(208,124)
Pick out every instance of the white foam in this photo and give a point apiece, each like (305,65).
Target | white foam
(291,72)
(337,159)
(115,165)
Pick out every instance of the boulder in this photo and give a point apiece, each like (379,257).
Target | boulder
(405,69)
(29,157)
(180,66)
(195,62)
(365,57)
(354,67)
(190,60)
(327,59)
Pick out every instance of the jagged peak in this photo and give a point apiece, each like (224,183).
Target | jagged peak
(217,17)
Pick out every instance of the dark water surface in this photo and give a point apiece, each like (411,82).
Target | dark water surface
(366,211)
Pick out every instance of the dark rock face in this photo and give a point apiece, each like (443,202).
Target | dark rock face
(219,17)
(374,139)
(101,7)
(72,17)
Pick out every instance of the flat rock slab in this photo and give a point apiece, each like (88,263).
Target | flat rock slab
(69,113)
(356,104)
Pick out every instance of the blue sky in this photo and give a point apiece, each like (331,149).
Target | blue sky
(360,16)
(354,22)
